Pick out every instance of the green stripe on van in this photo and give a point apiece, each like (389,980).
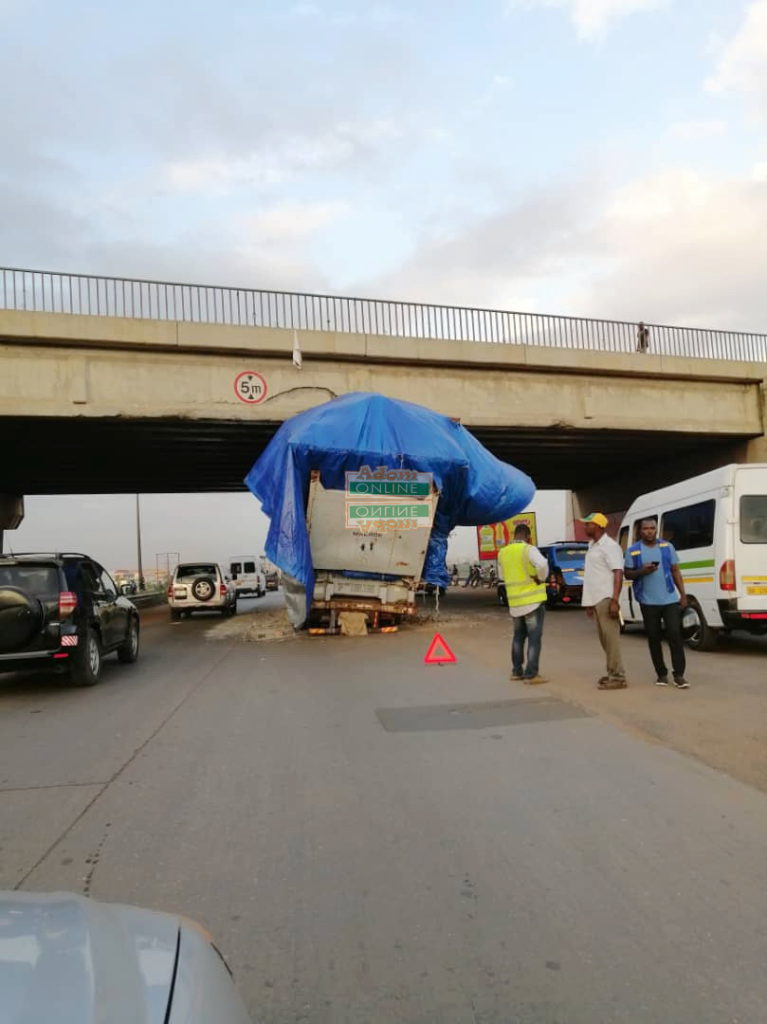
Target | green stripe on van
(707,563)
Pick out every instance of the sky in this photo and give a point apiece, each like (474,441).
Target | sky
(582,157)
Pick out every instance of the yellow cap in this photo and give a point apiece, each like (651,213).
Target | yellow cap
(596,517)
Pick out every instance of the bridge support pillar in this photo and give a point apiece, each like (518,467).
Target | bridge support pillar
(11,513)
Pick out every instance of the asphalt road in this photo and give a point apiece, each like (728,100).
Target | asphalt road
(370,839)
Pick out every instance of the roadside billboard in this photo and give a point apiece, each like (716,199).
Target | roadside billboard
(494,536)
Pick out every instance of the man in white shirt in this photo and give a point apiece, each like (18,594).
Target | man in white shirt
(602,582)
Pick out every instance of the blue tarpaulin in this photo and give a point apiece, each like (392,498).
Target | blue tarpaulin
(367,429)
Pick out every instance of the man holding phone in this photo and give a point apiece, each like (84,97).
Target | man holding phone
(653,566)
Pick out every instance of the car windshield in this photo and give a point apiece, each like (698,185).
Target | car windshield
(753,519)
(35,579)
(188,572)
(572,557)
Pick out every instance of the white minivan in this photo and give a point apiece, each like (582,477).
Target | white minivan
(247,576)
(718,524)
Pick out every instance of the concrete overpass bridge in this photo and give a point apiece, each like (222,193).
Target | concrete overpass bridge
(111,385)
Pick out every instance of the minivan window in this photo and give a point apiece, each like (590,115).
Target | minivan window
(623,538)
(691,526)
(250,567)
(753,519)
(188,572)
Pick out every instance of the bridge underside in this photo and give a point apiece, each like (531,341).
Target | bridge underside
(84,455)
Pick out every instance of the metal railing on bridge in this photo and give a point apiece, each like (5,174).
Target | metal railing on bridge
(89,295)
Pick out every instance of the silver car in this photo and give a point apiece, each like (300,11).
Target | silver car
(200,586)
(73,960)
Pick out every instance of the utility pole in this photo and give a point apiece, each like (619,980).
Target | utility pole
(141,584)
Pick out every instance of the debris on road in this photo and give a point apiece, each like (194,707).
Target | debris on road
(254,627)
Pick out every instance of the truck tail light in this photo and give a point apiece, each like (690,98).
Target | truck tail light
(67,603)
(727,575)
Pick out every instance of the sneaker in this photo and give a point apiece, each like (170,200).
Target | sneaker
(516,675)
(661,681)
(681,683)
(534,680)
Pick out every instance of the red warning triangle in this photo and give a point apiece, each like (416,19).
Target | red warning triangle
(439,653)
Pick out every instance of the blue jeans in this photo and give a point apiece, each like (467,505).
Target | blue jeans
(527,627)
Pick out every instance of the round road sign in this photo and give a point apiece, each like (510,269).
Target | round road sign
(250,387)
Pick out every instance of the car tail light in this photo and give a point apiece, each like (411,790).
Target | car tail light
(59,656)
(222,589)
(727,575)
(170,590)
(67,603)
(754,615)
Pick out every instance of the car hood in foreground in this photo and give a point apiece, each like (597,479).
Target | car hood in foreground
(72,960)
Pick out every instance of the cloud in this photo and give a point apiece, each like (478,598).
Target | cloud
(593,18)
(742,65)
(293,221)
(702,128)
(676,247)
(343,145)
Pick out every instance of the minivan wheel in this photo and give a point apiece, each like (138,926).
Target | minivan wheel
(127,652)
(86,664)
(705,637)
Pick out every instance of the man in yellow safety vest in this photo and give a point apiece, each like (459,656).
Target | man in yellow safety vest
(523,570)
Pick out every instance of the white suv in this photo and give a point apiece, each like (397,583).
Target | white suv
(199,586)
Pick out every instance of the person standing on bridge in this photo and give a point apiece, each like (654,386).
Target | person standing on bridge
(643,337)
(653,565)
(523,570)
(602,582)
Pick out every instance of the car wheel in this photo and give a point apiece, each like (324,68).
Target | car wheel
(705,637)
(127,652)
(175,615)
(86,664)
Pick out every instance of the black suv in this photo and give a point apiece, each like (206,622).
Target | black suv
(63,612)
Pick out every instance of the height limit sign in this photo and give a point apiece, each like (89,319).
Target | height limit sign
(250,387)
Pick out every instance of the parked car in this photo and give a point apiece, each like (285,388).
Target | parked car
(564,584)
(64,957)
(201,587)
(63,612)
(273,580)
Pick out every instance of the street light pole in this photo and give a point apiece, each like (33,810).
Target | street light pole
(141,584)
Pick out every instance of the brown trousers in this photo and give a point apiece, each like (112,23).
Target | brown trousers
(609,631)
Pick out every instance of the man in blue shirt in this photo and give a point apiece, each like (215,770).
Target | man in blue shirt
(653,565)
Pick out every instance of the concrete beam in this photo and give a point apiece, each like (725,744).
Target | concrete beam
(66,380)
